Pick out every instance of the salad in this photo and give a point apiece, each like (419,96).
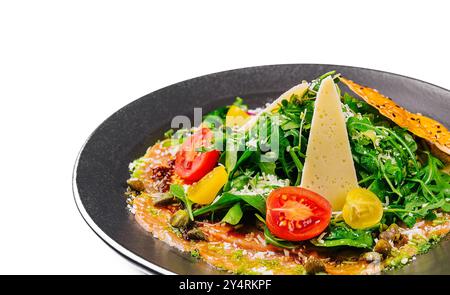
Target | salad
(317,181)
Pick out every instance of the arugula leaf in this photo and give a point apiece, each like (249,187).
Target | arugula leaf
(316,83)
(233,215)
(267,167)
(424,210)
(290,125)
(273,240)
(169,133)
(244,156)
(409,220)
(446,207)
(178,191)
(219,113)
(230,158)
(257,201)
(239,102)
(239,182)
(357,105)
(227,200)
(427,210)
(277,242)
(342,235)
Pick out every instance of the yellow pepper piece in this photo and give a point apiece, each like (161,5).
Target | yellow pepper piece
(206,189)
(236,117)
(362,209)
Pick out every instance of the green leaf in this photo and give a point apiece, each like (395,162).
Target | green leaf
(245,155)
(290,125)
(413,201)
(427,208)
(217,113)
(227,200)
(408,219)
(169,133)
(239,102)
(357,105)
(260,218)
(230,159)
(430,216)
(446,207)
(239,182)
(370,163)
(267,167)
(256,201)
(277,242)
(233,215)
(178,191)
(342,235)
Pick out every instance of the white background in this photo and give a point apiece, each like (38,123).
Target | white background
(67,65)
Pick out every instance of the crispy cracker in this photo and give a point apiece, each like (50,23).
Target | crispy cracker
(417,124)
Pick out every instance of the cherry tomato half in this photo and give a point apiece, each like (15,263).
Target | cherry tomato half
(362,209)
(191,163)
(297,214)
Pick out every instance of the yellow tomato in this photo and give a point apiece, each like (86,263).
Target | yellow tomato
(236,117)
(362,209)
(205,190)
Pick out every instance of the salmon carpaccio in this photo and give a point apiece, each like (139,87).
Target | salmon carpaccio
(244,250)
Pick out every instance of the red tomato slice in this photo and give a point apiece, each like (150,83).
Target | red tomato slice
(192,164)
(297,214)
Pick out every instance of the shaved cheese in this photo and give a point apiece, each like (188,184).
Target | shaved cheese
(298,90)
(329,169)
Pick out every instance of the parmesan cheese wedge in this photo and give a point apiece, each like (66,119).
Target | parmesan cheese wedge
(329,169)
(298,90)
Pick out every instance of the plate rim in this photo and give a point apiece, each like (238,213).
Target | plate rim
(140,263)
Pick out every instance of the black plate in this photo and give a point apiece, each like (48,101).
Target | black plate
(102,165)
